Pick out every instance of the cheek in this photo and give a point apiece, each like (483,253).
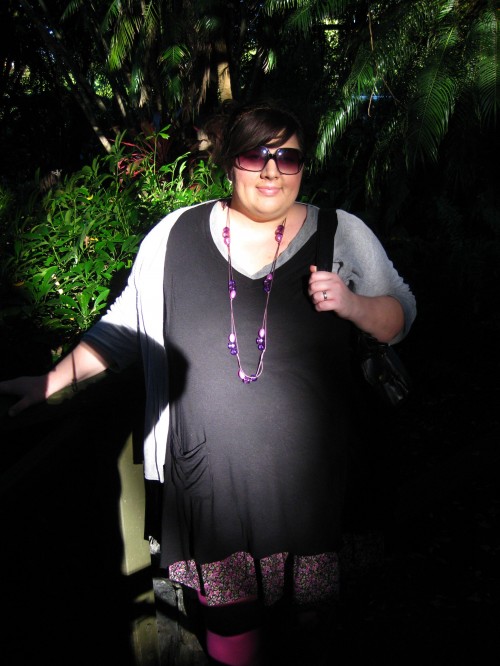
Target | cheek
(295,186)
(241,180)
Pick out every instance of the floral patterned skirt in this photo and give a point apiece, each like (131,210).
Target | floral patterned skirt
(313,578)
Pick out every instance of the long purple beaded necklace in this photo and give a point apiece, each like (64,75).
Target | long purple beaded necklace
(232,338)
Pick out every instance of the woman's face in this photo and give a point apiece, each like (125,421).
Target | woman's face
(266,195)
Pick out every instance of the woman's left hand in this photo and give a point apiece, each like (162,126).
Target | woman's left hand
(329,292)
(380,316)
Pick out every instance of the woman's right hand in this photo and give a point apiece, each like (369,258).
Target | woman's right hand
(80,364)
(32,390)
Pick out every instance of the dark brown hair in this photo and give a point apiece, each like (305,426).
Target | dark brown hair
(265,123)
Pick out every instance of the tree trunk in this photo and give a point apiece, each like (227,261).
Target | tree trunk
(224,82)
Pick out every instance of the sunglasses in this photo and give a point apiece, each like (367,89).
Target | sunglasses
(288,160)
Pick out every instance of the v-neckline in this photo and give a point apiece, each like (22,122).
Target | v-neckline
(217,221)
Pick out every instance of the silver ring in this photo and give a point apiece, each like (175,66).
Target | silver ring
(325,297)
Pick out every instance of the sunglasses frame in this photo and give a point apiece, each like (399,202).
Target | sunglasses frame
(271,156)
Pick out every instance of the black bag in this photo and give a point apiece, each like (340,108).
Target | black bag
(380,365)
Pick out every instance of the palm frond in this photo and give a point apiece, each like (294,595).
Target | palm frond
(332,126)
(122,42)
(150,24)
(362,80)
(112,14)
(386,150)
(302,15)
(175,55)
(208,24)
(72,8)
(269,61)
(485,32)
(430,110)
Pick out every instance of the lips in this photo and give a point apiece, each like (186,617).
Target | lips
(269,191)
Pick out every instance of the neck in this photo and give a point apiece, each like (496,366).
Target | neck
(252,243)
(242,220)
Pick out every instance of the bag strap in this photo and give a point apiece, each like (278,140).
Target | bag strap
(325,238)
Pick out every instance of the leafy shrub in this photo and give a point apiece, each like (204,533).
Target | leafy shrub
(61,251)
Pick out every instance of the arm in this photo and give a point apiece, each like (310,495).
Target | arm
(364,287)
(82,363)
(113,341)
(380,316)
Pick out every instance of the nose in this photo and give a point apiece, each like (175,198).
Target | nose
(270,170)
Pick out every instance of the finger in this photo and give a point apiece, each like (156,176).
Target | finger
(320,300)
(317,289)
(4,387)
(318,282)
(12,386)
(19,407)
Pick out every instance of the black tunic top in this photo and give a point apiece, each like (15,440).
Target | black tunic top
(254,467)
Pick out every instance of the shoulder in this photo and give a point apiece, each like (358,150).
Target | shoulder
(351,225)
(159,234)
(155,242)
(151,256)
(348,223)
(355,238)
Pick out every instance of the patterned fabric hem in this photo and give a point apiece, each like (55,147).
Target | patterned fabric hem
(315,578)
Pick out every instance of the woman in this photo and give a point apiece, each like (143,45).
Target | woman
(250,408)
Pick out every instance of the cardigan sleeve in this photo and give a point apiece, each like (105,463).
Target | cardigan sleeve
(132,328)
(362,262)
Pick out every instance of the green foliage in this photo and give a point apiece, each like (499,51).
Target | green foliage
(61,252)
(409,70)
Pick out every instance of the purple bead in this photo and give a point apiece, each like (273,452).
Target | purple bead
(267,282)
(231,345)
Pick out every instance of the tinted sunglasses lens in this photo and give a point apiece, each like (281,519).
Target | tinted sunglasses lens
(252,160)
(289,160)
